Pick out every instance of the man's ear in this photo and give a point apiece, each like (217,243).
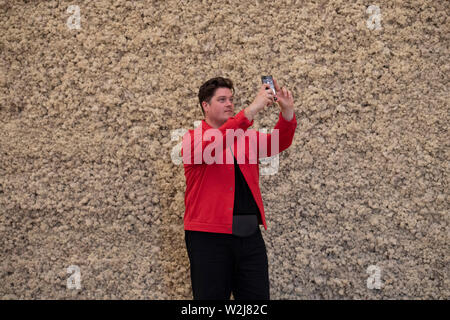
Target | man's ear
(205,106)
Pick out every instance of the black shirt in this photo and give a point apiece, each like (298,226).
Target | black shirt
(244,202)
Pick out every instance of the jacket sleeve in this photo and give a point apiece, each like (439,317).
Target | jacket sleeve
(197,145)
(279,140)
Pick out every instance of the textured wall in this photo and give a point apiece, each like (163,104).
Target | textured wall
(87,115)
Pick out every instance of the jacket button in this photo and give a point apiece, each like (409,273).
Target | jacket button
(231,189)
(230,208)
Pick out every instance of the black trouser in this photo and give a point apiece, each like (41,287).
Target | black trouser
(224,263)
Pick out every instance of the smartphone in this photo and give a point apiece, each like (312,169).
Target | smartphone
(269,80)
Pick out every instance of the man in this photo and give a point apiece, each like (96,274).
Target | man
(223,201)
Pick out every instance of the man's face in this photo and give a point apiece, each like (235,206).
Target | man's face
(220,108)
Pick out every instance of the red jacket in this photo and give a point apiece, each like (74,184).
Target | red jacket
(209,196)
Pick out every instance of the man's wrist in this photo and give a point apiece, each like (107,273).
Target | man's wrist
(287,114)
(249,113)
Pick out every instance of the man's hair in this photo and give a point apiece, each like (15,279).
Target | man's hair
(208,89)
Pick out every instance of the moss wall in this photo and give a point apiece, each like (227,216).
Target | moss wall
(88,112)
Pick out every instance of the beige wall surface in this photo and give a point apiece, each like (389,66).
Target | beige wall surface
(94,95)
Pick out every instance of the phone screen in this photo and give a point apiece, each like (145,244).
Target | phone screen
(269,80)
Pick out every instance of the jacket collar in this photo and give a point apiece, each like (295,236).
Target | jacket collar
(205,125)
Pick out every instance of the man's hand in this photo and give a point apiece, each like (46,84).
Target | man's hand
(264,98)
(285,101)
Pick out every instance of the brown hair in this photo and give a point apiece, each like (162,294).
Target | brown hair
(208,89)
